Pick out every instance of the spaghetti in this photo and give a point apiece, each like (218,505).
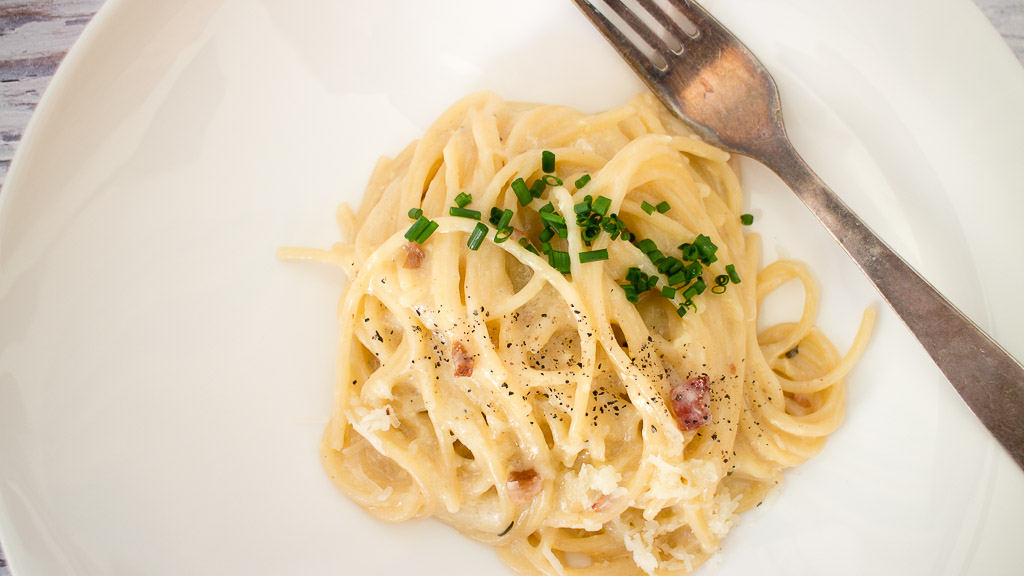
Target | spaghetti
(582,414)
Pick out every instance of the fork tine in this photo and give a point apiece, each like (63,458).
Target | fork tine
(642,30)
(695,13)
(667,22)
(634,55)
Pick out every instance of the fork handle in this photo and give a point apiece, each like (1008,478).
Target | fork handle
(989,380)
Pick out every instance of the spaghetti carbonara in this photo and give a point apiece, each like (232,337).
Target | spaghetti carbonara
(549,341)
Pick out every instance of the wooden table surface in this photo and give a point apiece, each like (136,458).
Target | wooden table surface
(35,36)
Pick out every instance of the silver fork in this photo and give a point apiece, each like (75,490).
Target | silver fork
(714,84)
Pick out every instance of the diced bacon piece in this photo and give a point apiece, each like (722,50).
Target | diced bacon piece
(601,503)
(690,402)
(413,255)
(463,361)
(523,485)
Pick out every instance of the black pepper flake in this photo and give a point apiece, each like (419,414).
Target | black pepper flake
(793,352)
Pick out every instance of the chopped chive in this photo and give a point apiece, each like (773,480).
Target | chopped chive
(502,235)
(690,252)
(549,207)
(668,292)
(721,280)
(552,180)
(670,265)
(496,214)
(417,227)
(415,213)
(477,236)
(546,234)
(521,191)
(719,289)
(559,261)
(464,213)
(601,205)
(537,188)
(681,311)
(652,281)
(462,199)
(631,294)
(646,245)
(505,220)
(648,207)
(562,231)
(733,276)
(700,285)
(656,256)
(545,247)
(590,234)
(552,218)
(690,292)
(747,219)
(583,208)
(679,278)
(582,181)
(792,351)
(526,244)
(663,207)
(706,248)
(547,161)
(426,232)
(593,256)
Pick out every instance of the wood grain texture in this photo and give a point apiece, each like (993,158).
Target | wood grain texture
(35,36)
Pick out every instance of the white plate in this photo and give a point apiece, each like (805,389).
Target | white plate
(164,380)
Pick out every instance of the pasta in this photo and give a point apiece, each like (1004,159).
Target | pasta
(601,421)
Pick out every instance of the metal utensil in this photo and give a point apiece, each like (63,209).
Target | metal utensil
(711,81)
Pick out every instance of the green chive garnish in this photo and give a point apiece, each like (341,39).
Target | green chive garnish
(582,208)
(668,292)
(462,199)
(477,236)
(706,248)
(546,235)
(495,217)
(415,213)
(552,180)
(552,218)
(648,207)
(593,256)
(426,232)
(547,161)
(464,213)
(502,235)
(631,294)
(417,227)
(747,219)
(601,205)
(505,220)
(549,207)
(522,192)
(559,261)
(690,252)
(646,245)
(537,188)
(582,181)
(663,207)
(733,276)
